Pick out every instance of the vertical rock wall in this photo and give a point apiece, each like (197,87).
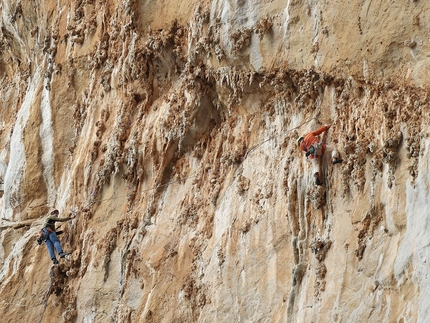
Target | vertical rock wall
(170,130)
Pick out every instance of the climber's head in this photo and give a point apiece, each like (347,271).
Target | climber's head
(55,212)
(299,140)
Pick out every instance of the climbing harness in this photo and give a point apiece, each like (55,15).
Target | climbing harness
(314,150)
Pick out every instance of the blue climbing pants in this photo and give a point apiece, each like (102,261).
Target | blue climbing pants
(51,242)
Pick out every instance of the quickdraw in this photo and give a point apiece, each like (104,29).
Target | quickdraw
(314,149)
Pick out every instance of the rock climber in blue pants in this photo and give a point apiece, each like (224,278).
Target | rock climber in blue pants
(49,235)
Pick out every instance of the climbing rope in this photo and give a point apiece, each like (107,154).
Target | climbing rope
(197,173)
(281,134)
(74,212)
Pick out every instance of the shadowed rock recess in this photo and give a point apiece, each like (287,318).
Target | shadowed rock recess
(169,128)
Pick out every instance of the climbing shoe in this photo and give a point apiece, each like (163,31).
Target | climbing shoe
(337,161)
(64,254)
(55,261)
(317,179)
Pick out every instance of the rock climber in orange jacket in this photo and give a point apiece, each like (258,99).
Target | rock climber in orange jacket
(314,150)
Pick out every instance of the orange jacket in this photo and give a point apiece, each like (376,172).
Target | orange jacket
(311,138)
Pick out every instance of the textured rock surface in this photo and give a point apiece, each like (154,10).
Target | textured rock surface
(169,128)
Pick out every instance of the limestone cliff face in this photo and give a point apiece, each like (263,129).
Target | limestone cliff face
(169,128)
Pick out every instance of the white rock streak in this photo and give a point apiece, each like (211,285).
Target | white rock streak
(46,134)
